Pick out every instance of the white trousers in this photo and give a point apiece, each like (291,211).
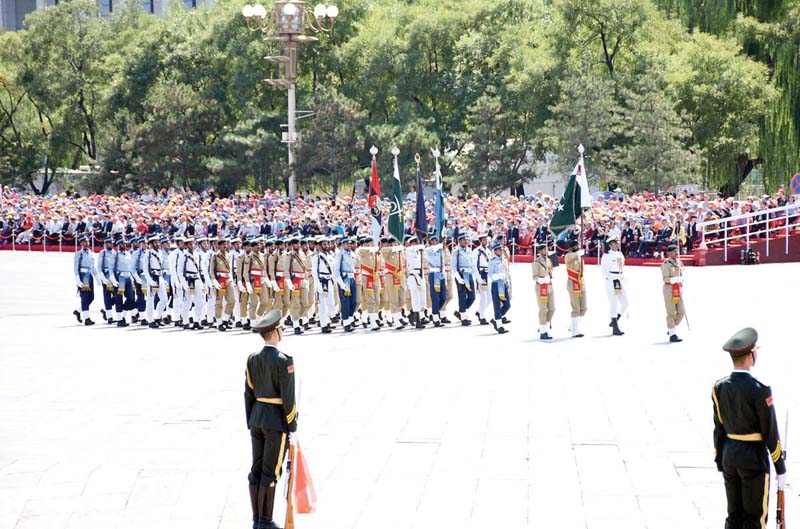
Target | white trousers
(327,304)
(177,301)
(198,298)
(617,302)
(416,286)
(484,300)
(163,298)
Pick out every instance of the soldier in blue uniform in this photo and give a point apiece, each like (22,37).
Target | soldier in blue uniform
(103,269)
(123,283)
(344,270)
(436,278)
(138,253)
(464,272)
(746,436)
(271,413)
(83,267)
(498,279)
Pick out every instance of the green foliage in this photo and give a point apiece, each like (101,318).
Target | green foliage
(493,84)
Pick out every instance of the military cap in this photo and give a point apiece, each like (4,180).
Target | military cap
(671,248)
(269,322)
(433,236)
(461,236)
(483,234)
(540,247)
(164,240)
(108,239)
(82,238)
(742,343)
(386,239)
(344,240)
(269,241)
(154,238)
(180,239)
(201,239)
(293,240)
(496,246)
(613,238)
(407,237)
(213,239)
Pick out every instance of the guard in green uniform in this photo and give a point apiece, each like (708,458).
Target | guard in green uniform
(745,436)
(271,416)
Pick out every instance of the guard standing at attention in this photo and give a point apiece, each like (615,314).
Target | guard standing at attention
(613,264)
(543,275)
(575,285)
(672,274)
(746,436)
(83,267)
(271,416)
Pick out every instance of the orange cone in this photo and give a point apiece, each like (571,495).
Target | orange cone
(305,497)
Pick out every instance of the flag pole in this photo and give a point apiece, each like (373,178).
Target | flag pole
(583,168)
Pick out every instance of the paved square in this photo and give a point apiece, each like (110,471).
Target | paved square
(455,427)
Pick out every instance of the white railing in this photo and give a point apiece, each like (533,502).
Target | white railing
(763,224)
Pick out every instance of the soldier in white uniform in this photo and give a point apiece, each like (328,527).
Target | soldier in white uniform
(175,256)
(482,257)
(104,270)
(612,265)
(152,282)
(233,256)
(192,283)
(324,285)
(415,262)
(203,256)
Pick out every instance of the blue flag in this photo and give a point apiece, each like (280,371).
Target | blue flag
(421,219)
(438,205)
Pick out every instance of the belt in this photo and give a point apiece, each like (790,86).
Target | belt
(462,270)
(124,274)
(610,272)
(82,269)
(255,272)
(434,270)
(347,275)
(270,400)
(746,437)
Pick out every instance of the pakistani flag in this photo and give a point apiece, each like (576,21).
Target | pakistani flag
(396,206)
(576,197)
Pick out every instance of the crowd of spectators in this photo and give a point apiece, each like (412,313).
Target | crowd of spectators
(646,223)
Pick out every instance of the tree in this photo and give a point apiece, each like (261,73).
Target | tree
(656,153)
(329,144)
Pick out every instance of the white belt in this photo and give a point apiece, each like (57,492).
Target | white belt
(82,269)
(432,270)
(255,272)
(124,274)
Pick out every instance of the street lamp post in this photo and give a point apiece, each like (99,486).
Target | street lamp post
(288,22)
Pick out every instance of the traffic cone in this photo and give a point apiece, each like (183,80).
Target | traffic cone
(305,497)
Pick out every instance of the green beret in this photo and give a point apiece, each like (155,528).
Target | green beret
(269,322)
(742,343)
(671,247)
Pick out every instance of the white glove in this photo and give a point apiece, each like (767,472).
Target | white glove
(781,480)
(115,283)
(289,285)
(241,286)
(458,279)
(217,285)
(542,280)
(185,285)
(153,284)
(249,288)
(274,285)
(105,282)
(79,283)
(293,438)
(580,253)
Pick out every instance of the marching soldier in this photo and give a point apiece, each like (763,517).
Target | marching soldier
(322,271)
(271,413)
(368,256)
(299,285)
(575,286)
(393,263)
(672,274)
(203,255)
(415,259)
(464,273)
(152,283)
(83,267)
(175,255)
(138,251)
(308,251)
(746,436)
(122,282)
(164,283)
(233,258)
(482,257)
(223,284)
(498,279)
(344,269)
(256,281)
(612,264)
(543,275)
(192,283)
(103,267)
(281,286)
(245,285)
(436,278)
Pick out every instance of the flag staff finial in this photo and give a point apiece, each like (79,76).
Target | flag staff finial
(373,151)
(580,148)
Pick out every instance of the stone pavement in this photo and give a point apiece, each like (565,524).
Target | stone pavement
(135,428)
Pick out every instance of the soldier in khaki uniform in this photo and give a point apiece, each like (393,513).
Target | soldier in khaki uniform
(220,269)
(279,276)
(575,286)
(394,266)
(298,305)
(245,286)
(369,284)
(258,280)
(448,277)
(310,247)
(672,274)
(543,276)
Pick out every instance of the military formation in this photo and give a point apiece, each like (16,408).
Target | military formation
(339,283)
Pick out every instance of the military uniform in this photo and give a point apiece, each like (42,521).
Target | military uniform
(223,284)
(498,280)
(153,283)
(394,264)
(437,285)
(324,288)
(485,298)
(344,268)
(370,283)
(271,414)
(104,271)
(576,287)
(672,275)
(464,273)
(298,306)
(245,285)
(84,270)
(543,276)
(256,274)
(415,260)
(613,264)
(122,281)
(745,439)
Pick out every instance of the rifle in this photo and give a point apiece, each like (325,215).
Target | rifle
(289,524)
(780,511)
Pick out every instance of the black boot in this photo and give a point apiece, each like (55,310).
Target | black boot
(545,336)
(326,329)
(465,322)
(482,321)
(506,320)
(88,321)
(238,324)
(246,326)
(122,323)
(615,327)
(222,327)
(419,323)
(674,339)
(153,325)
(457,315)
(266,502)
(135,317)
(103,312)
(144,323)
(254,504)
(77,316)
